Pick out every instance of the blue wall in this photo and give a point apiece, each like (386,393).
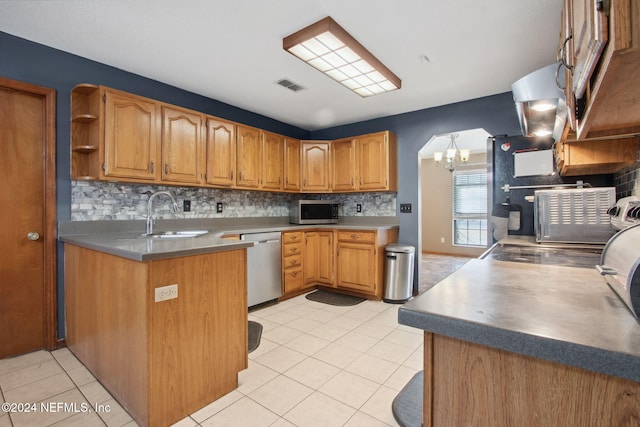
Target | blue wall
(496,114)
(34,63)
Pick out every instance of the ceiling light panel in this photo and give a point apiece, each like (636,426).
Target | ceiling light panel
(329,48)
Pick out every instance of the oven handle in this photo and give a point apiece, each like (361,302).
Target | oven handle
(604,270)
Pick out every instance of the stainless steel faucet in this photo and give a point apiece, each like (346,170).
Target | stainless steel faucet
(150,219)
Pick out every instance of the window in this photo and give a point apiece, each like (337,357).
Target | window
(470,207)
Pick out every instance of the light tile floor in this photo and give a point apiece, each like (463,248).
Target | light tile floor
(317,365)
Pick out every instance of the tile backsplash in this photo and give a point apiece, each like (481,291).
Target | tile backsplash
(95,201)
(627,181)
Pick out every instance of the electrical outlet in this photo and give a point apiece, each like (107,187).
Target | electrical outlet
(166,292)
(219,207)
(405,207)
(358,207)
(442,240)
(186,205)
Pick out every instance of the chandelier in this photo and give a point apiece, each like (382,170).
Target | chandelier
(455,157)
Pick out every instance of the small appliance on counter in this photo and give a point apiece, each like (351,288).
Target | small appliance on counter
(625,213)
(306,212)
(620,266)
(574,215)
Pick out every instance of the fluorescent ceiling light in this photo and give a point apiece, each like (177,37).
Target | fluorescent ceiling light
(327,47)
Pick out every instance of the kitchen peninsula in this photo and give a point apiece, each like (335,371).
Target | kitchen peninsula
(162,359)
(524,344)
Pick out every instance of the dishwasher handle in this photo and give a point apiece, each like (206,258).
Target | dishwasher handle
(260,242)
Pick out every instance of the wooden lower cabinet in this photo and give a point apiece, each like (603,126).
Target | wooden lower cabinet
(474,385)
(346,261)
(160,360)
(317,258)
(292,274)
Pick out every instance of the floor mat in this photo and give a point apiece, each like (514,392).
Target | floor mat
(255,333)
(407,406)
(333,298)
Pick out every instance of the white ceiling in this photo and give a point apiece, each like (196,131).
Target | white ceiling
(231,50)
(475,140)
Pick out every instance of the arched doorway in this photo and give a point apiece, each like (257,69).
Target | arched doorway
(441,231)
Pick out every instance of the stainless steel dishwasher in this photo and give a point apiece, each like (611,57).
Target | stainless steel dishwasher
(264,272)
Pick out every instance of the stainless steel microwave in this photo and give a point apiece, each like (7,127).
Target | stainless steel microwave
(313,212)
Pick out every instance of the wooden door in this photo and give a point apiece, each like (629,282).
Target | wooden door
(325,257)
(373,159)
(343,156)
(291,164)
(272,157)
(221,152)
(181,146)
(248,157)
(27,194)
(316,169)
(130,137)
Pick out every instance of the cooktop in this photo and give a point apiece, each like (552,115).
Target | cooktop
(583,257)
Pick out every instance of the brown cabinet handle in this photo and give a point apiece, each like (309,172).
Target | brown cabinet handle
(166,168)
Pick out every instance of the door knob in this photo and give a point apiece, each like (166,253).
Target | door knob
(33,235)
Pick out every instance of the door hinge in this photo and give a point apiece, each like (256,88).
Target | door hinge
(104,167)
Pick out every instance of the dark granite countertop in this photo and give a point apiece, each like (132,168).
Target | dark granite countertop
(563,314)
(123,238)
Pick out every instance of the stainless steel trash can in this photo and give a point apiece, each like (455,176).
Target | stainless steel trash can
(398,273)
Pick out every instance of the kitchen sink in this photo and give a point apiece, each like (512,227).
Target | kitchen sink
(174,234)
(180,234)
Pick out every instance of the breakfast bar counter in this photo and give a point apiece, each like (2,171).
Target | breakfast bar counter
(524,344)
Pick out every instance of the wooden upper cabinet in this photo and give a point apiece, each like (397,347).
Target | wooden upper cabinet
(595,157)
(291,165)
(345,172)
(220,152)
(272,159)
(377,162)
(600,42)
(590,34)
(316,166)
(248,157)
(131,134)
(182,161)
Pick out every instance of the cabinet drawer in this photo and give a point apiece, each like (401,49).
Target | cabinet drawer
(289,249)
(292,261)
(292,237)
(357,236)
(293,279)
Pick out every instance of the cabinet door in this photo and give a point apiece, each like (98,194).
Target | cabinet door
(343,157)
(356,267)
(130,137)
(325,257)
(590,35)
(221,152)
(291,164)
(316,169)
(272,158)
(310,258)
(181,146)
(248,157)
(373,161)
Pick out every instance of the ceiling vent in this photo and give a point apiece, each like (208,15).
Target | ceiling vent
(290,85)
